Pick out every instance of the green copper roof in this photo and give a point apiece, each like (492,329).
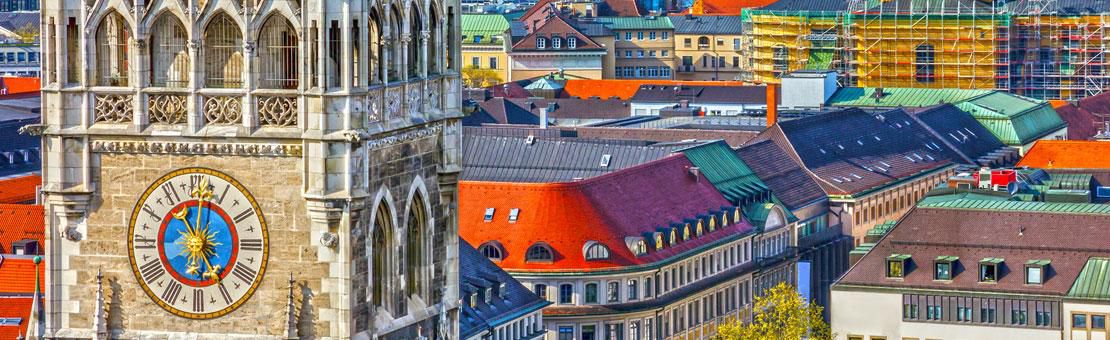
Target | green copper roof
(957,202)
(726,171)
(486,26)
(1014,119)
(819,60)
(636,23)
(1041,263)
(881,229)
(862,248)
(947,258)
(1070,181)
(1094,281)
(898,257)
(992,260)
(895,96)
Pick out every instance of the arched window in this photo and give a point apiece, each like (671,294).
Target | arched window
(492,250)
(686,232)
(277,54)
(416,53)
(596,251)
(700,229)
(112,49)
(539,252)
(674,235)
(925,63)
(433,39)
(556,42)
(223,53)
(703,42)
(394,53)
(724,218)
(712,223)
(415,255)
(382,247)
(375,27)
(591,292)
(541,42)
(169,55)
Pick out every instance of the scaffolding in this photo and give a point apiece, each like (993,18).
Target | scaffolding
(1058,55)
(781,42)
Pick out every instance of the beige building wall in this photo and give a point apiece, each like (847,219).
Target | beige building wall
(701,67)
(1085,310)
(872,315)
(889,204)
(636,48)
(487,55)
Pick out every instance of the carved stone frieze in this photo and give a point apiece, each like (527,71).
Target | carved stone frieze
(404,136)
(392,102)
(277,111)
(223,110)
(113,108)
(194,148)
(167,108)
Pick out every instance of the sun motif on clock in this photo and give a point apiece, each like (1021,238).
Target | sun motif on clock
(197,242)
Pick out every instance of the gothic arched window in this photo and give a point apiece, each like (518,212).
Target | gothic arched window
(223,53)
(169,54)
(416,28)
(112,37)
(375,27)
(277,54)
(382,246)
(414,248)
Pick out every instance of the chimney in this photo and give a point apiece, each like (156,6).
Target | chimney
(684,103)
(772,104)
(543,117)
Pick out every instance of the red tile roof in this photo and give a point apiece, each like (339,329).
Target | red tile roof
(19,189)
(605,209)
(1067,154)
(621,8)
(14,85)
(626,88)
(556,27)
(724,7)
(15,307)
(1087,117)
(17,274)
(21,222)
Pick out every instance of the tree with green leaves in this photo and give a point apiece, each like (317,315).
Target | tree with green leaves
(475,77)
(28,33)
(780,314)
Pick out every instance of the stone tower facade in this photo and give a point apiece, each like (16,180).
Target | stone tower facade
(339,120)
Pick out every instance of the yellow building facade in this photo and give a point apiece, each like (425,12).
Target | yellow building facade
(709,47)
(483,43)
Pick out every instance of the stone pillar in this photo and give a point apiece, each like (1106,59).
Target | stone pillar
(424,35)
(403,70)
(194,116)
(384,54)
(250,116)
(66,227)
(326,218)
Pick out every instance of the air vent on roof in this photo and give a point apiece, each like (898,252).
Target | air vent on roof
(918,156)
(930,157)
(840,146)
(846,179)
(822,151)
(868,168)
(605,160)
(878,139)
(859,141)
(530,140)
(696,172)
(856,176)
(907,122)
(972,133)
(884,164)
(837,180)
(911,159)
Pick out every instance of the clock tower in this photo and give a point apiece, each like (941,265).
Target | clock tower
(251,168)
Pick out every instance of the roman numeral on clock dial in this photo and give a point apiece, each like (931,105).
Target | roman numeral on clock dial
(243,272)
(172,291)
(198,300)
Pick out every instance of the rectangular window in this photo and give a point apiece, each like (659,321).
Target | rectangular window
(720,42)
(540,290)
(895,268)
(1102,192)
(651,35)
(1018,316)
(476,62)
(633,290)
(628,54)
(943,271)
(686,43)
(589,332)
(735,62)
(666,35)
(333,54)
(613,292)
(627,35)
(493,63)
(988,272)
(639,35)
(72,53)
(1079,321)
(591,293)
(1098,321)
(721,62)
(736,44)
(1033,275)
(566,293)
(640,54)
(566,332)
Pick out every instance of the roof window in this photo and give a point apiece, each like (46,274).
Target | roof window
(605,160)
(514,213)
(489,214)
(988,269)
(896,265)
(943,267)
(492,250)
(1035,271)
(539,252)
(594,250)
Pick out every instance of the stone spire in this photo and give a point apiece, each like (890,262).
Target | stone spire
(100,316)
(291,324)
(36,327)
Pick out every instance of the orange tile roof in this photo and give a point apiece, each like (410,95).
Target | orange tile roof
(19,189)
(17,274)
(15,307)
(1067,154)
(625,88)
(21,222)
(14,85)
(724,7)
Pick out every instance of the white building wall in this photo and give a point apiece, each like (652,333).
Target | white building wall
(1087,309)
(871,315)
(652,109)
(807,91)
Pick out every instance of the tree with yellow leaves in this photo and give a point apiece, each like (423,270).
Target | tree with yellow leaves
(474,77)
(780,314)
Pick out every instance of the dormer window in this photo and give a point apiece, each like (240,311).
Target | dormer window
(595,251)
(724,219)
(489,295)
(556,42)
(474,300)
(674,235)
(492,250)
(712,223)
(477,39)
(639,247)
(736,215)
(988,269)
(514,213)
(943,267)
(659,241)
(896,265)
(686,232)
(501,290)
(541,43)
(699,230)
(489,214)
(1035,271)
(539,252)
(572,42)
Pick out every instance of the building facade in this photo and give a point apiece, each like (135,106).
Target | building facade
(986,269)
(642,47)
(483,43)
(709,47)
(294,165)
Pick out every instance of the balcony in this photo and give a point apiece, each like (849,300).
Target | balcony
(687,68)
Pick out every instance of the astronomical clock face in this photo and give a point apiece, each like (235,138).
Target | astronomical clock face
(197,242)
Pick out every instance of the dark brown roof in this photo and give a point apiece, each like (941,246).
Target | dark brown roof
(1065,239)
(793,186)
(854,152)
(959,131)
(556,26)
(511,159)
(620,8)
(1087,118)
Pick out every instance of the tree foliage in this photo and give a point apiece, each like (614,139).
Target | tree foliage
(780,314)
(29,33)
(475,77)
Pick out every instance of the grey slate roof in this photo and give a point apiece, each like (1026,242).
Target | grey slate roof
(476,273)
(18,145)
(782,174)
(512,159)
(707,24)
(14,20)
(701,94)
(960,130)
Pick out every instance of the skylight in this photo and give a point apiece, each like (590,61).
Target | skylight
(878,139)
(489,214)
(514,213)
(884,164)
(605,160)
